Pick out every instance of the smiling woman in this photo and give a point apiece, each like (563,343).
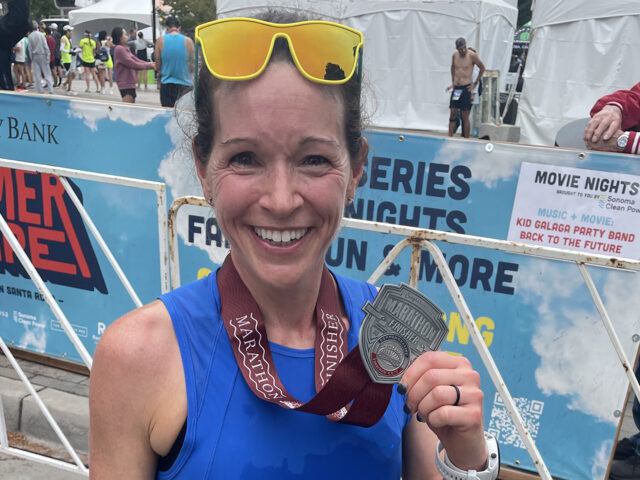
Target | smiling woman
(228,377)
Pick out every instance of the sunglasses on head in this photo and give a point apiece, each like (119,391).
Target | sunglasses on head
(240,48)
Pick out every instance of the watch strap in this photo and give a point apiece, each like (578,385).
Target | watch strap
(450,472)
(633,143)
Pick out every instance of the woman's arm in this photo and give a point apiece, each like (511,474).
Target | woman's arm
(125,397)
(431,396)
(129,60)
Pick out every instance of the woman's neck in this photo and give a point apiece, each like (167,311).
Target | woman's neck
(288,313)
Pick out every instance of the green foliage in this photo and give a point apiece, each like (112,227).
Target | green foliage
(43,8)
(191,12)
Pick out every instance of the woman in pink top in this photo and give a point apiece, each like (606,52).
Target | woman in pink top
(126,66)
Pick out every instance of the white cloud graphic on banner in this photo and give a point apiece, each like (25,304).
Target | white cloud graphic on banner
(601,460)
(487,168)
(575,353)
(91,113)
(177,169)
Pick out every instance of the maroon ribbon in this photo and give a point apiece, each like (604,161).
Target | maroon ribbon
(344,391)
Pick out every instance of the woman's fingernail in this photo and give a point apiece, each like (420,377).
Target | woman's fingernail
(406,409)
(402,389)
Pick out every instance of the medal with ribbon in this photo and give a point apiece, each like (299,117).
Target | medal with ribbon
(351,387)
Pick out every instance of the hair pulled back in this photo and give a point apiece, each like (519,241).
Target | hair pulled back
(349,93)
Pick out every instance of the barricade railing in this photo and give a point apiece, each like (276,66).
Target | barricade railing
(418,239)
(61,173)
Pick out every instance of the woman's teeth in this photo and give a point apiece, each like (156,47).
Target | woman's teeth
(280,236)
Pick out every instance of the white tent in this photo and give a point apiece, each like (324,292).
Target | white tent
(107,14)
(408,48)
(579,52)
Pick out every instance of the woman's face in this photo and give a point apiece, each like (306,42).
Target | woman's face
(279,174)
(124,38)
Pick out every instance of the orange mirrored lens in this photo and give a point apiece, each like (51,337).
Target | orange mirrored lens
(235,49)
(325,53)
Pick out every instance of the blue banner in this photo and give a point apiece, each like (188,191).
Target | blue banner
(536,316)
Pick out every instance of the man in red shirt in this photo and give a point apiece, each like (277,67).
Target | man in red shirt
(51,42)
(615,122)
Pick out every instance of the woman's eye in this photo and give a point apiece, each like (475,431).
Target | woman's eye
(244,159)
(315,160)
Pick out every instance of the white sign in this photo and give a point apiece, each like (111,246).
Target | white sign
(576,209)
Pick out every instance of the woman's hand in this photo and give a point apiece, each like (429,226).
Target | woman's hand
(455,419)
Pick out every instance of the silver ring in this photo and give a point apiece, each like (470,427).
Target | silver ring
(457,402)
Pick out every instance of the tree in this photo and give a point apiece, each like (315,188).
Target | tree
(191,12)
(43,8)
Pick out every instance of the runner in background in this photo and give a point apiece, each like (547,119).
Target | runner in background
(141,45)
(68,59)
(127,65)
(462,85)
(40,58)
(279,156)
(87,56)
(51,43)
(57,63)
(20,64)
(174,54)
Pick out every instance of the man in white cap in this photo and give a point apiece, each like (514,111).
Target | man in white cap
(57,65)
(67,57)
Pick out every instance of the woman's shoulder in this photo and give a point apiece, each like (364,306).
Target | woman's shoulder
(137,339)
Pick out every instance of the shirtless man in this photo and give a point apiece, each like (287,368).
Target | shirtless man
(462,85)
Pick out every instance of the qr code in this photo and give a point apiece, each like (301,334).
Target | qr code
(503,428)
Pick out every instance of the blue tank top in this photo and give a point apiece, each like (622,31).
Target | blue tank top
(174,67)
(231,433)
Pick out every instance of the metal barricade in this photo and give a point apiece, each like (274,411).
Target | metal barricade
(418,239)
(160,190)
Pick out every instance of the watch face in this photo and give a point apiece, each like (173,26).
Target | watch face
(622,141)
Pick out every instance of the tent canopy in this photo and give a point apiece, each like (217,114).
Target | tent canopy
(579,51)
(551,12)
(133,11)
(408,48)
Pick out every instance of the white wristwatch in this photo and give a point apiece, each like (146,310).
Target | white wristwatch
(450,472)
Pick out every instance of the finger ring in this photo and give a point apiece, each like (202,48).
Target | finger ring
(457,402)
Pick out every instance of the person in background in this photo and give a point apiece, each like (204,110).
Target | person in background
(13,26)
(87,56)
(280,156)
(126,65)
(615,122)
(20,64)
(141,45)
(40,58)
(462,85)
(56,69)
(174,53)
(51,43)
(67,58)
(104,62)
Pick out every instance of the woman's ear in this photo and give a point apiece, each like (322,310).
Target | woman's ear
(358,169)
(201,169)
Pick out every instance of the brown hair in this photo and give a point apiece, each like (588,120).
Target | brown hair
(349,93)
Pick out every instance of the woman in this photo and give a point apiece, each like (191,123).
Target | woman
(141,44)
(279,154)
(126,65)
(87,56)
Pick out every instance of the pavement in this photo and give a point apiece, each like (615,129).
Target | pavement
(149,96)
(66,396)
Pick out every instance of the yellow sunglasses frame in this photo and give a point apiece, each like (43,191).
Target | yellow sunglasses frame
(357,64)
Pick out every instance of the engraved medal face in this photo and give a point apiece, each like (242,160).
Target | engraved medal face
(399,326)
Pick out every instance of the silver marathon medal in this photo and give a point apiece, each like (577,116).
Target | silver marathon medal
(399,326)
